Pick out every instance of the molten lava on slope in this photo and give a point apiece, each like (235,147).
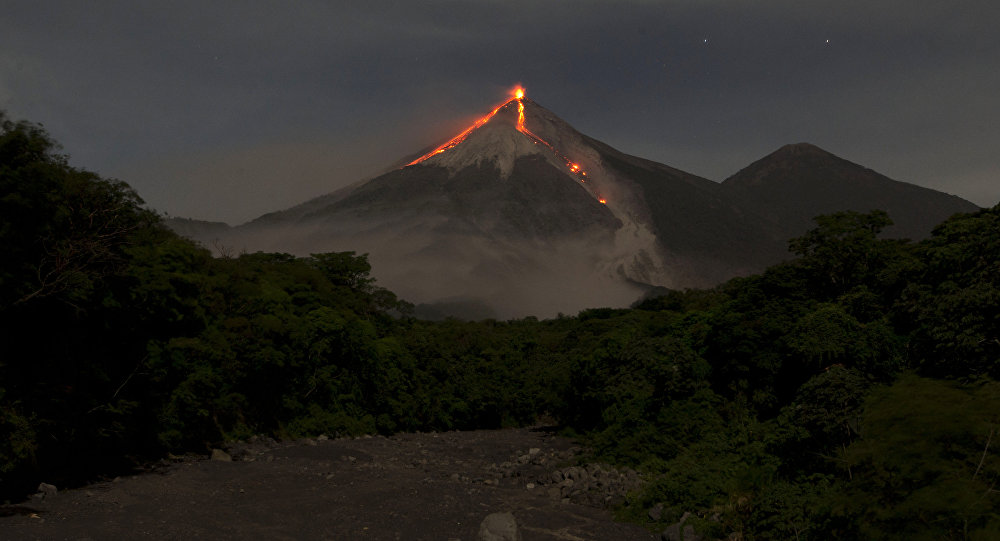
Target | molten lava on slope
(517,95)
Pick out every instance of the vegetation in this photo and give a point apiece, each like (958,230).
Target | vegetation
(848,393)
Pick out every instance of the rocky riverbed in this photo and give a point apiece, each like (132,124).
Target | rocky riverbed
(439,486)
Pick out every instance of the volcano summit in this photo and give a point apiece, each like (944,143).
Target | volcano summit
(520,214)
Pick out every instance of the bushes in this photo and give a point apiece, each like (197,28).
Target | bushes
(926,465)
(952,305)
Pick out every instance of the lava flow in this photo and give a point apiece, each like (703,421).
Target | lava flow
(516,95)
(460,137)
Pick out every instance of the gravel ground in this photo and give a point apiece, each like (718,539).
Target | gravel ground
(411,486)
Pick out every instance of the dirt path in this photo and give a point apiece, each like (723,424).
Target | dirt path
(407,487)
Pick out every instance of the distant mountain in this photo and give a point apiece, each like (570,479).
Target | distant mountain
(521,214)
(797,182)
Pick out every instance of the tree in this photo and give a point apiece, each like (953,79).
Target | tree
(64,236)
(926,466)
(844,250)
(954,301)
(61,229)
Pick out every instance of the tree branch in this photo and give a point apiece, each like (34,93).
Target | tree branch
(122,386)
(983,458)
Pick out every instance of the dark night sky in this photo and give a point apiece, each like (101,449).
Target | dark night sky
(228,109)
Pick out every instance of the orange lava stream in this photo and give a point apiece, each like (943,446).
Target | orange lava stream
(455,141)
(573,167)
(516,95)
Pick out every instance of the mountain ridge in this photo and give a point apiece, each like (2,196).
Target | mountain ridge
(523,212)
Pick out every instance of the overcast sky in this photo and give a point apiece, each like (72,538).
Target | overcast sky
(225,110)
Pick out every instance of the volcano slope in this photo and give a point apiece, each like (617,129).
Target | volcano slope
(523,214)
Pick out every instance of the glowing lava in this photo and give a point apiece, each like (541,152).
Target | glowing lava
(519,96)
(516,95)
(455,141)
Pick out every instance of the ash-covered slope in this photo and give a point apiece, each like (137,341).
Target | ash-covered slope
(797,182)
(706,233)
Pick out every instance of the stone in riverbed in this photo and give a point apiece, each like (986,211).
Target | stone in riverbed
(46,490)
(499,527)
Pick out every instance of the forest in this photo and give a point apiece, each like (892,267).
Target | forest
(851,392)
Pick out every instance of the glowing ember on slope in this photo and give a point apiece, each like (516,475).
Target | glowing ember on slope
(517,95)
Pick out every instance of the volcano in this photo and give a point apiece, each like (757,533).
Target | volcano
(516,215)
(521,214)
(797,182)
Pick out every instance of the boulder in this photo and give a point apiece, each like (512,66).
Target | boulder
(499,527)
(672,533)
(678,532)
(655,513)
(47,491)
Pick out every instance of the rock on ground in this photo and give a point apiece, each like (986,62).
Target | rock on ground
(499,527)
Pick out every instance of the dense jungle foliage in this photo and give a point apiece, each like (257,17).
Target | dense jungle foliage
(849,393)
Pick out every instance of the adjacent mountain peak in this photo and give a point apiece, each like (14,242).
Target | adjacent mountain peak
(798,162)
(797,182)
(794,149)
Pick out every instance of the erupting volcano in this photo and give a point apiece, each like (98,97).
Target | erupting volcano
(519,213)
